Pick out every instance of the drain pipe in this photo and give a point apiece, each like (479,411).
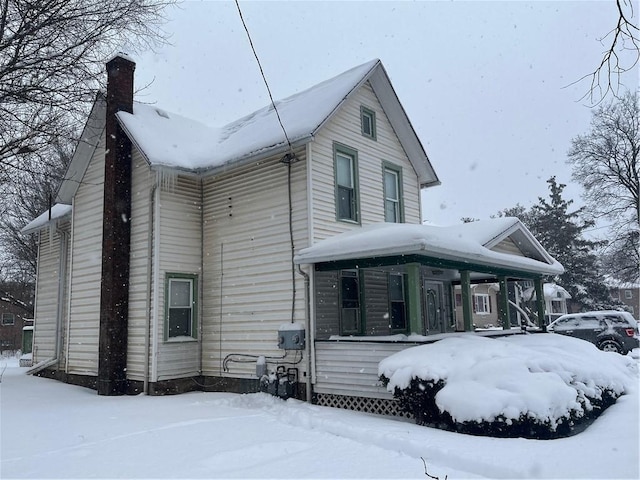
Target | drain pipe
(150,253)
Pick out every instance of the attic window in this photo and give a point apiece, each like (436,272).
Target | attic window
(368,122)
(162,113)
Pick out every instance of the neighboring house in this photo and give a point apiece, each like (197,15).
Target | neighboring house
(198,258)
(16,312)
(555,299)
(627,293)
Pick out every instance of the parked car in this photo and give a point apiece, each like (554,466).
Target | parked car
(609,330)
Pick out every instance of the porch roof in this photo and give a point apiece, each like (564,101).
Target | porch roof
(464,247)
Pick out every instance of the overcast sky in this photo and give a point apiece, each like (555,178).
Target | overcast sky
(484,83)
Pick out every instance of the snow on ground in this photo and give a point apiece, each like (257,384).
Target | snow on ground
(49,429)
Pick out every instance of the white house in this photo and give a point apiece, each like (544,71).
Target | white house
(183,257)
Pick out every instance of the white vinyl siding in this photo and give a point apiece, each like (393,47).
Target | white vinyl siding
(86,269)
(345,128)
(508,246)
(46,306)
(180,252)
(247,262)
(351,367)
(141,189)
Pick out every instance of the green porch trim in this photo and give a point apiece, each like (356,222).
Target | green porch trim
(467,305)
(424,260)
(540,303)
(503,304)
(414,290)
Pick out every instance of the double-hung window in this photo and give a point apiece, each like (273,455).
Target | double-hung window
(397,303)
(181,306)
(392,182)
(350,323)
(346,177)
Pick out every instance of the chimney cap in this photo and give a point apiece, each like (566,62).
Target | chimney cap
(119,57)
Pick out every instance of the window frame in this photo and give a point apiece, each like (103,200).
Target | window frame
(193,279)
(486,304)
(8,315)
(403,284)
(628,294)
(351,274)
(366,112)
(352,154)
(395,169)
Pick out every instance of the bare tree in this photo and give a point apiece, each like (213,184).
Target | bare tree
(52,54)
(606,162)
(622,54)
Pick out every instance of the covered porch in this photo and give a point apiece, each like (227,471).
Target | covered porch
(383,288)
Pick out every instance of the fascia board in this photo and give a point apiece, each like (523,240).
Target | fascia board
(84,151)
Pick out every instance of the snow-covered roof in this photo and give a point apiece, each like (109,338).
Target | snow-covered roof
(467,243)
(173,141)
(59,210)
(551,291)
(167,139)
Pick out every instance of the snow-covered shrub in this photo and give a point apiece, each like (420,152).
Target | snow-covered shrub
(536,386)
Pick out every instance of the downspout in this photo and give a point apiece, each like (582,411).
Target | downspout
(156,281)
(67,340)
(150,256)
(201,282)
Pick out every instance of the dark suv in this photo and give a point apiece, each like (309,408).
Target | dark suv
(609,330)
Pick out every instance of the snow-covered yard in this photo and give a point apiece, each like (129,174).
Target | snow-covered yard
(54,430)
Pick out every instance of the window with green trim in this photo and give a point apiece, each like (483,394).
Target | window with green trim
(8,319)
(368,122)
(181,306)
(397,302)
(392,183)
(350,319)
(346,178)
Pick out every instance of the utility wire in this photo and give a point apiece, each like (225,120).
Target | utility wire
(264,78)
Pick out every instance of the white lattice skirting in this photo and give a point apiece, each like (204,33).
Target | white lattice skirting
(378,406)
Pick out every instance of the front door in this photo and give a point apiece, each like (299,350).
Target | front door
(434,312)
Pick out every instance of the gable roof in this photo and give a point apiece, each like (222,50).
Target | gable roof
(467,244)
(172,141)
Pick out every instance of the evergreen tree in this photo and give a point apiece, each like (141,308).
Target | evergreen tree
(560,231)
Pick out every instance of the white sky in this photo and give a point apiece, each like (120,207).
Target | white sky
(482,82)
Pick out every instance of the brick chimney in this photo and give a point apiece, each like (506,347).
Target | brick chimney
(116,233)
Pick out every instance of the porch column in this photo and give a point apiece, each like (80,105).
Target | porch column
(467,305)
(503,304)
(540,304)
(414,298)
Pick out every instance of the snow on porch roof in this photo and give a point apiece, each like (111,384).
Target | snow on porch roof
(170,140)
(465,243)
(59,210)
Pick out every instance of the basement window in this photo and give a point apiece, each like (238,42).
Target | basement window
(181,306)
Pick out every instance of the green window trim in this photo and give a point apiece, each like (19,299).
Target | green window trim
(398,303)
(368,122)
(393,193)
(180,313)
(347,195)
(351,296)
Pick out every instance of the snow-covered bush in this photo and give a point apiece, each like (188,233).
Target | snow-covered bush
(536,386)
